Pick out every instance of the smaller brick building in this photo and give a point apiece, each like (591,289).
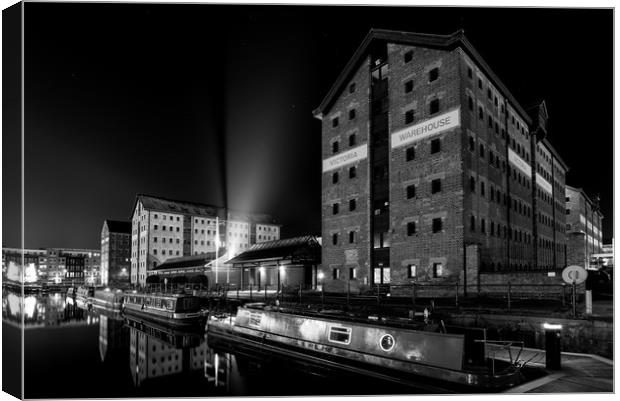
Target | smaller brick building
(115,252)
(584,227)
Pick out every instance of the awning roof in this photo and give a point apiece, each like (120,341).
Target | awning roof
(298,250)
(187,261)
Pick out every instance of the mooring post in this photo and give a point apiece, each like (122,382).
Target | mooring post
(574,299)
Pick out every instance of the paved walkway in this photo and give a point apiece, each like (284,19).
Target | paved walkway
(580,373)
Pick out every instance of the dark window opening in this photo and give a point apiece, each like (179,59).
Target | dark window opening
(410,191)
(409,86)
(410,153)
(351,237)
(335,178)
(352,140)
(352,204)
(408,116)
(335,208)
(435,145)
(335,122)
(351,114)
(352,88)
(335,147)
(433,74)
(434,106)
(437,225)
(435,186)
(410,228)
(335,239)
(352,172)
(409,56)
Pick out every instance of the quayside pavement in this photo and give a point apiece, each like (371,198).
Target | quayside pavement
(579,373)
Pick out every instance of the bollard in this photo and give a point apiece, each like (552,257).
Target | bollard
(574,299)
(553,340)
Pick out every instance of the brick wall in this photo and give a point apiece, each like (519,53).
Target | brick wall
(345,255)
(425,248)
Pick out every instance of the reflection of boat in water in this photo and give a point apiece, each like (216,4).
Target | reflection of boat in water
(107,299)
(400,349)
(167,309)
(174,337)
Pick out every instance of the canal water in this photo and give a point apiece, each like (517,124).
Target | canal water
(73,352)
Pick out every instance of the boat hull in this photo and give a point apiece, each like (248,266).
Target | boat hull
(194,319)
(397,360)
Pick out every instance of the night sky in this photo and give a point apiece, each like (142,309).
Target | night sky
(214,104)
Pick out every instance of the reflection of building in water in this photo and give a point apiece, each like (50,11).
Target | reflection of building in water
(44,310)
(150,357)
(218,367)
(111,337)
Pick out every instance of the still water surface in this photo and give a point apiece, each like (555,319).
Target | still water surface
(74,352)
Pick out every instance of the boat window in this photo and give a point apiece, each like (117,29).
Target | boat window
(341,335)
(170,304)
(188,304)
(255,319)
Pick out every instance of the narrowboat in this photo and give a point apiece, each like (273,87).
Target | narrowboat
(71,292)
(106,299)
(83,293)
(167,309)
(411,350)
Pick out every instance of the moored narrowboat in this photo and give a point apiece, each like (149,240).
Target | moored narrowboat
(83,293)
(401,350)
(168,309)
(107,299)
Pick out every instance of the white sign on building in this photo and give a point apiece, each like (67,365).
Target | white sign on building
(519,163)
(344,158)
(544,184)
(432,126)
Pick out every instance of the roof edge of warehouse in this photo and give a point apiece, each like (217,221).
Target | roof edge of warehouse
(255,217)
(455,39)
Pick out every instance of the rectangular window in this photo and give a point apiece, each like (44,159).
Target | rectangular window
(435,145)
(410,191)
(335,208)
(352,88)
(470,103)
(352,273)
(352,172)
(351,237)
(480,113)
(335,146)
(335,274)
(352,140)
(437,225)
(408,56)
(352,204)
(483,226)
(437,270)
(352,114)
(469,72)
(335,122)
(433,74)
(435,186)
(434,106)
(411,271)
(335,239)
(410,228)
(340,335)
(408,116)
(409,86)
(335,178)
(410,153)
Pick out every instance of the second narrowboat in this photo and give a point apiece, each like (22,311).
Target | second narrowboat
(168,309)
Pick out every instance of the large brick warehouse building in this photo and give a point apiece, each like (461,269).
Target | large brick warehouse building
(434,173)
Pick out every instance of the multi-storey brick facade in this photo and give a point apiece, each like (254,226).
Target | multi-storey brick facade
(115,252)
(163,229)
(447,183)
(584,227)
